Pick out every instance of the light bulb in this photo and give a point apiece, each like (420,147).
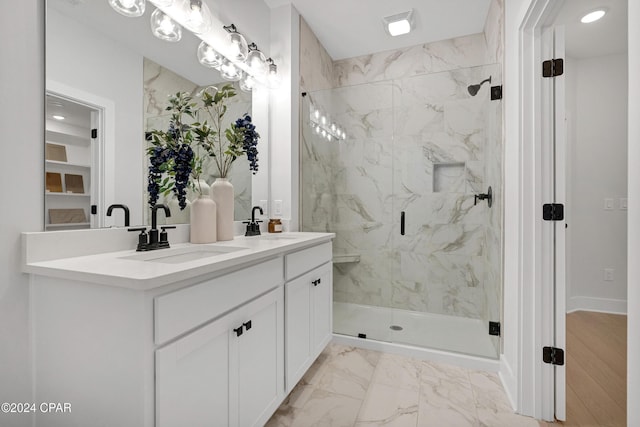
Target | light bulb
(230,72)
(273,77)
(162,3)
(247,83)
(198,17)
(333,127)
(164,27)
(238,49)
(129,8)
(323,119)
(256,60)
(328,137)
(324,133)
(317,114)
(317,129)
(208,56)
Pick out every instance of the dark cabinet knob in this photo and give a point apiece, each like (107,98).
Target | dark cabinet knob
(247,325)
(316,282)
(238,331)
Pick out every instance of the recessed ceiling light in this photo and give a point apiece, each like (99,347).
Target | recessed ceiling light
(399,24)
(58,117)
(593,16)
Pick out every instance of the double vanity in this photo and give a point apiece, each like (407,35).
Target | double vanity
(192,335)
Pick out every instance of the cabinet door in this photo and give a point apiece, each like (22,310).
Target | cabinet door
(257,360)
(322,309)
(192,379)
(298,328)
(308,302)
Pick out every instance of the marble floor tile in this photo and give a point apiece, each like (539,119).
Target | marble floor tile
(398,371)
(322,409)
(349,372)
(488,392)
(389,406)
(353,387)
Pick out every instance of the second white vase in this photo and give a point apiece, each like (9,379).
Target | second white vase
(203,220)
(222,195)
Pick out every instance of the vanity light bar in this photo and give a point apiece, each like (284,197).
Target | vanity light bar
(195,16)
(323,126)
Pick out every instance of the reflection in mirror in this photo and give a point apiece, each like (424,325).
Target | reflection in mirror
(159,84)
(97,57)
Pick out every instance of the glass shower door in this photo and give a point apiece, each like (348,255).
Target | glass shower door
(444,153)
(346,189)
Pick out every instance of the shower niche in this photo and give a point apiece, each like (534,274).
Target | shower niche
(418,148)
(448,177)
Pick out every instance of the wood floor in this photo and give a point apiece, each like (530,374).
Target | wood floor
(596,360)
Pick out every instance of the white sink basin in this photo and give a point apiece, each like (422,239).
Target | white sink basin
(180,255)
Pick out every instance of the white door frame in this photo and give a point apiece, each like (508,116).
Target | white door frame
(536,379)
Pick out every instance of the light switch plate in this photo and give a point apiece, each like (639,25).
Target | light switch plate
(608,204)
(623,203)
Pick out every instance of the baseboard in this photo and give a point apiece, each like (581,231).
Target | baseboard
(462,360)
(509,382)
(603,305)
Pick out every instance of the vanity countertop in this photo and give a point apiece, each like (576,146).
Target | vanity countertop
(149,270)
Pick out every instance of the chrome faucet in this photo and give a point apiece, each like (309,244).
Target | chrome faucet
(124,208)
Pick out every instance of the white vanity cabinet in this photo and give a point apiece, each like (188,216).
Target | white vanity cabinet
(308,309)
(227,373)
(220,347)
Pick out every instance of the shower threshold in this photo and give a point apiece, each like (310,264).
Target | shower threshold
(425,330)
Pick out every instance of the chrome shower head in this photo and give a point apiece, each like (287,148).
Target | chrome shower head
(473,89)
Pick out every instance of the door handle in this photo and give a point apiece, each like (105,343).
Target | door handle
(402,223)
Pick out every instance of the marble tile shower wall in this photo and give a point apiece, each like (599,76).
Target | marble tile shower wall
(424,123)
(409,107)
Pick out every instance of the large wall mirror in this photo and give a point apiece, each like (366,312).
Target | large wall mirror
(108,72)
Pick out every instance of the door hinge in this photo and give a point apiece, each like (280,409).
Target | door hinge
(494,328)
(553,212)
(552,67)
(496,92)
(94,133)
(553,355)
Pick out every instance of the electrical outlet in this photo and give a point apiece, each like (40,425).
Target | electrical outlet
(608,204)
(608,274)
(623,203)
(277,207)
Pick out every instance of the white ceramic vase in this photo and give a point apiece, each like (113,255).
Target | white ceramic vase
(201,188)
(222,194)
(203,220)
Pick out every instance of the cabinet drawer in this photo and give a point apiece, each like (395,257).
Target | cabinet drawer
(182,310)
(305,260)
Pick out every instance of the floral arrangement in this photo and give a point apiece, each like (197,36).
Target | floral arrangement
(176,156)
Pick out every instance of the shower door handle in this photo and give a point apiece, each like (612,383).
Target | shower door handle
(402,223)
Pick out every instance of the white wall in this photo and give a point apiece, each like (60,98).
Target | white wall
(597,154)
(284,120)
(512,362)
(86,60)
(22,118)
(633,273)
